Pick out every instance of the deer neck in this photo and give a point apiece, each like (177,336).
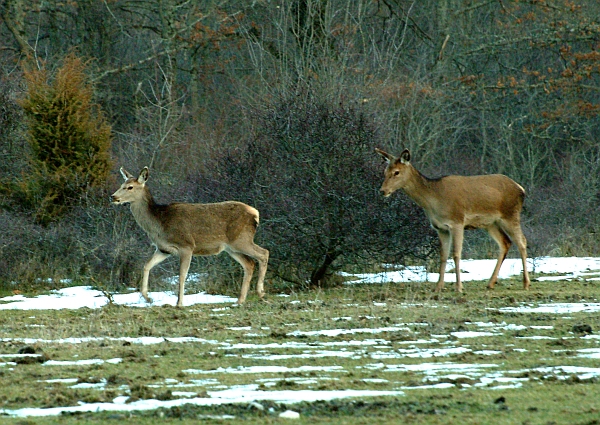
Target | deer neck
(144,213)
(420,189)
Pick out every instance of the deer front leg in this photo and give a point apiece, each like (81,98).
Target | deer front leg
(457,243)
(444,236)
(157,258)
(185,259)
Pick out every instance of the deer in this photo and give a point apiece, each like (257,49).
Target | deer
(187,230)
(454,203)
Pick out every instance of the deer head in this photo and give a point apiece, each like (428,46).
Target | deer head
(398,172)
(132,189)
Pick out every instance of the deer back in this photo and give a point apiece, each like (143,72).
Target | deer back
(483,193)
(205,228)
(474,201)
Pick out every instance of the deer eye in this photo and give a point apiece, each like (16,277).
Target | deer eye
(129,187)
(396,172)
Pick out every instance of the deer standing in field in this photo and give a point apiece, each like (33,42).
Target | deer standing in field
(454,203)
(186,230)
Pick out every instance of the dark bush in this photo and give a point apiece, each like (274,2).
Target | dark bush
(312,172)
(11,142)
(94,244)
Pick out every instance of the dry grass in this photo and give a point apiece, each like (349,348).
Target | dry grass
(282,332)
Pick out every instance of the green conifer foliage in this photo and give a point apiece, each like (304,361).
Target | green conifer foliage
(69,137)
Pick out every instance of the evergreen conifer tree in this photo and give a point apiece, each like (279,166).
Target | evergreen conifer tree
(69,138)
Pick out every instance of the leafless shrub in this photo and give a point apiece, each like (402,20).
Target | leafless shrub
(312,172)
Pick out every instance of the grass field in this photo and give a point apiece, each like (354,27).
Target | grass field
(358,354)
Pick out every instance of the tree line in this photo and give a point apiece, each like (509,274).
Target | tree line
(280,103)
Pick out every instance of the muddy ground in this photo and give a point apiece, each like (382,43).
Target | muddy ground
(354,354)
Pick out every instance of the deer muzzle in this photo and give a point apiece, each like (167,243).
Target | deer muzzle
(385,192)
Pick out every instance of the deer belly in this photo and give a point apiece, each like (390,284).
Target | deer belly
(167,249)
(476,221)
(208,249)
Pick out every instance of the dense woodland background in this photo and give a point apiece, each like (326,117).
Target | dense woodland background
(280,103)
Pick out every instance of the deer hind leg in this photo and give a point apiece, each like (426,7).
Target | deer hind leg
(157,258)
(516,234)
(457,244)
(185,259)
(248,265)
(261,255)
(504,243)
(444,236)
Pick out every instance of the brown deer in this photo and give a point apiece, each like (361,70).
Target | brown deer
(186,230)
(454,203)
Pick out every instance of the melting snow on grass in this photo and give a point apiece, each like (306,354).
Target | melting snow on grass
(562,268)
(555,308)
(84,296)
(238,394)
(321,344)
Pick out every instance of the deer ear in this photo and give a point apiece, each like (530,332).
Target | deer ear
(405,156)
(385,155)
(143,178)
(126,174)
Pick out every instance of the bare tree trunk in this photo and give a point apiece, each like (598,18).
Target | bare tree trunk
(318,275)
(13,14)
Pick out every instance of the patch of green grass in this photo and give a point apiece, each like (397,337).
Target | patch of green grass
(283,332)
